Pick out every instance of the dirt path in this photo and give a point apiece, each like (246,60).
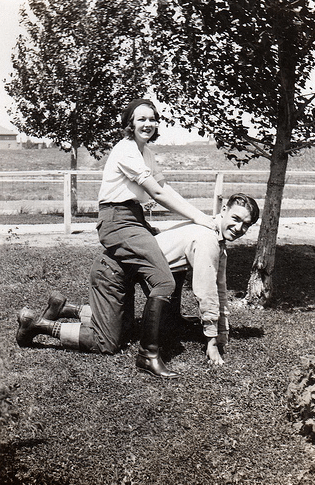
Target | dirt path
(291,231)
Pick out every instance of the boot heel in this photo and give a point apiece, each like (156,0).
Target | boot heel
(56,302)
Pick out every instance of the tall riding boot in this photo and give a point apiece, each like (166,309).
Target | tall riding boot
(148,358)
(58,307)
(30,326)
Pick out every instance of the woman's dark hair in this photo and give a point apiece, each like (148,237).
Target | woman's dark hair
(129,129)
(245,201)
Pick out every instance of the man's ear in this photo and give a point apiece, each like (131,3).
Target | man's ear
(223,210)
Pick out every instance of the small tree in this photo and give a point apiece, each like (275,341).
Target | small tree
(239,70)
(77,63)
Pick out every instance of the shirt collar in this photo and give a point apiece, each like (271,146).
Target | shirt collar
(218,221)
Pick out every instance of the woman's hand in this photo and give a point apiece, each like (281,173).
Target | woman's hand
(207,221)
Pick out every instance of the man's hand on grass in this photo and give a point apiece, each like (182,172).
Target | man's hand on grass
(213,353)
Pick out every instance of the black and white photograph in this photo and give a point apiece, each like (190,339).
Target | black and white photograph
(157,242)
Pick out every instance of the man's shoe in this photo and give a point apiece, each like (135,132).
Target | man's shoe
(56,302)
(27,329)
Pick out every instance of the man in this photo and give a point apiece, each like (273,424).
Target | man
(102,322)
(205,251)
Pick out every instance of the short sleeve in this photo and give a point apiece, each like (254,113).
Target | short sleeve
(132,164)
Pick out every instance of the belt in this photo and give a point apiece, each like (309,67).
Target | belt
(125,203)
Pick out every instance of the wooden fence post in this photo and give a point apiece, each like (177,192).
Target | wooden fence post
(218,193)
(67,202)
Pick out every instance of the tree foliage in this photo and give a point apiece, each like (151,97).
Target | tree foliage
(240,70)
(76,64)
(225,66)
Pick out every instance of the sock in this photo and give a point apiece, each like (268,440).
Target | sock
(56,330)
(69,334)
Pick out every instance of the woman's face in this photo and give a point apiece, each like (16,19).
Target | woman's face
(144,123)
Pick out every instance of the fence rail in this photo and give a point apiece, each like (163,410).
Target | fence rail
(191,184)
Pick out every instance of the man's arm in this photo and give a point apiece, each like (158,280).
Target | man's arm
(223,322)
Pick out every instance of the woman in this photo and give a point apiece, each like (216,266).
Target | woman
(130,177)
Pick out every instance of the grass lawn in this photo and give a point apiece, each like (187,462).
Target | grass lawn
(80,419)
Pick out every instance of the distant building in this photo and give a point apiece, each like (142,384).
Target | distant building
(8,139)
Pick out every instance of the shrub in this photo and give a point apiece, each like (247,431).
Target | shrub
(301,397)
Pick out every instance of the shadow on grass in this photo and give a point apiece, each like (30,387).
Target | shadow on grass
(245,333)
(293,280)
(13,446)
(10,466)
(174,334)
(294,273)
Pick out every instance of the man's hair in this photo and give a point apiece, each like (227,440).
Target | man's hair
(245,201)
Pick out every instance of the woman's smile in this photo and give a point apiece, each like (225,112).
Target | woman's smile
(144,123)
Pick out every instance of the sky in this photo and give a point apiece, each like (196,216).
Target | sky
(9,31)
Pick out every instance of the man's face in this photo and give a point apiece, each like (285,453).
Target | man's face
(235,221)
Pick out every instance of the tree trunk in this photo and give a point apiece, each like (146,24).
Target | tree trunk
(74,166)
(260,287)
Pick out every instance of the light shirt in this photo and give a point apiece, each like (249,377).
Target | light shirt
(205,251)
(125,171)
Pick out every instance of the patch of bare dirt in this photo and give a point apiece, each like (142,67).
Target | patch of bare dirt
(291,231)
